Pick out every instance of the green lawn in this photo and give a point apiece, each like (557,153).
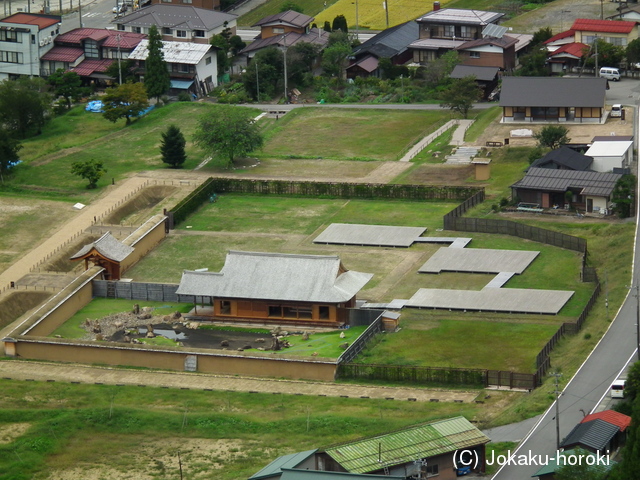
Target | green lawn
(81,136)
(64,430)
(341,134)
(101,307)
(448,342)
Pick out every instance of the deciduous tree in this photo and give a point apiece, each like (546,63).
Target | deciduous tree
(91,170)
(156,73)
(228,132)
(293,6)
(270,73)
(126,70)
(9,148)
(461,95)
(68,85)
(125,101)
(24,104)
(623,196)
(172,147)
(552,136)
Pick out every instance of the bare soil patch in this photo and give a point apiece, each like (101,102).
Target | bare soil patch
(10,432)
(441,174)
(16,304)
(141,207)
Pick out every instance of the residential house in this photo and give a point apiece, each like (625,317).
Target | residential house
(419,451)
(442,30)
(595,436)
(205,4)
(486,77)
(556,462)
(277,288)
(193,67)
(618,419)
(564,56)
(564,158)
(178,23)
(611,155)
(284,30)
(489,52)
(628,12)
(24,39)
(392,43)
(552,188)
(89,52)
(615,32)
(550,99)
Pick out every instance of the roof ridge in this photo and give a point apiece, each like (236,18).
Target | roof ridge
(278,254)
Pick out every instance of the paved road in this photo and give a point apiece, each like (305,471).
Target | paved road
(588,386)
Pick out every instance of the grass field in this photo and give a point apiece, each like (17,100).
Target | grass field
(447,342)
(59,430)
(81,136)
(341,134)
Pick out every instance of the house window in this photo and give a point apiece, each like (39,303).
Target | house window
(619,41)
(198,33)
(278,30)
(208,61)
(187,1)
(466,32)
(474,54)
(181,33)
(9,36)
(275,311)
(136,29)
(323,312)
(33,39)
(225,307)
(121,27)
(91,49)
(11,57)
(449,31)
(431,470)
(589,39)
(166,31)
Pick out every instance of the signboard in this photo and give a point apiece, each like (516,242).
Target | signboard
(191,363)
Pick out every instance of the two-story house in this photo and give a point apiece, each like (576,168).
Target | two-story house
(24,39)
(442,30)
(283,30)
(178,23)
(206,4)
(89,52)
(615,32)
(193,67)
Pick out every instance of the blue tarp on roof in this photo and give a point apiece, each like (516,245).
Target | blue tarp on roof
(181,84)
(95,106)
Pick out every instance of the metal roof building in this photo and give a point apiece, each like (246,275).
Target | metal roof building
(594,435)
(552,92)
(588,183)
(407,445)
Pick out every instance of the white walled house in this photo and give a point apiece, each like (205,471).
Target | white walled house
(24,38)
(193,67)
(610,155)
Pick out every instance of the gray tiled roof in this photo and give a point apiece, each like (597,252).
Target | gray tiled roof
(277,276)
(566,157)
(173,16)
(553,92)
(289,17)
(485,74)
(595,434)
(592,183)
(459,16)
(107,246)
(391,41)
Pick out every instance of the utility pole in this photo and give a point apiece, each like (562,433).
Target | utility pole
(80,12)
(257,82)
(118,37)
(357,36)
(286,95)
(557,392)
(596,42)
(386,11)
(638,319)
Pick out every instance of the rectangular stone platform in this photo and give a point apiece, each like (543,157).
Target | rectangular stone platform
(510,300)
(478,260)
(369,235)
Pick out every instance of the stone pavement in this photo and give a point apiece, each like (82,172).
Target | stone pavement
(75,373)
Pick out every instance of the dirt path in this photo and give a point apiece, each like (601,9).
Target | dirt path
(42,371)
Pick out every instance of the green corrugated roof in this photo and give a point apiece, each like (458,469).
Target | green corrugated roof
(295,474)
(286,461)
(410,444)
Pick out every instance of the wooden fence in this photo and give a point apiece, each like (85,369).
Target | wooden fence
(361,342)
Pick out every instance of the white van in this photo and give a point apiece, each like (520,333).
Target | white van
(616,110)
(617,389)
(610,73)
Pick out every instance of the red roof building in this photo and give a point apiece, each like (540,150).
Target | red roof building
(620,420)
(41,21)
(611,31)
(89,51)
